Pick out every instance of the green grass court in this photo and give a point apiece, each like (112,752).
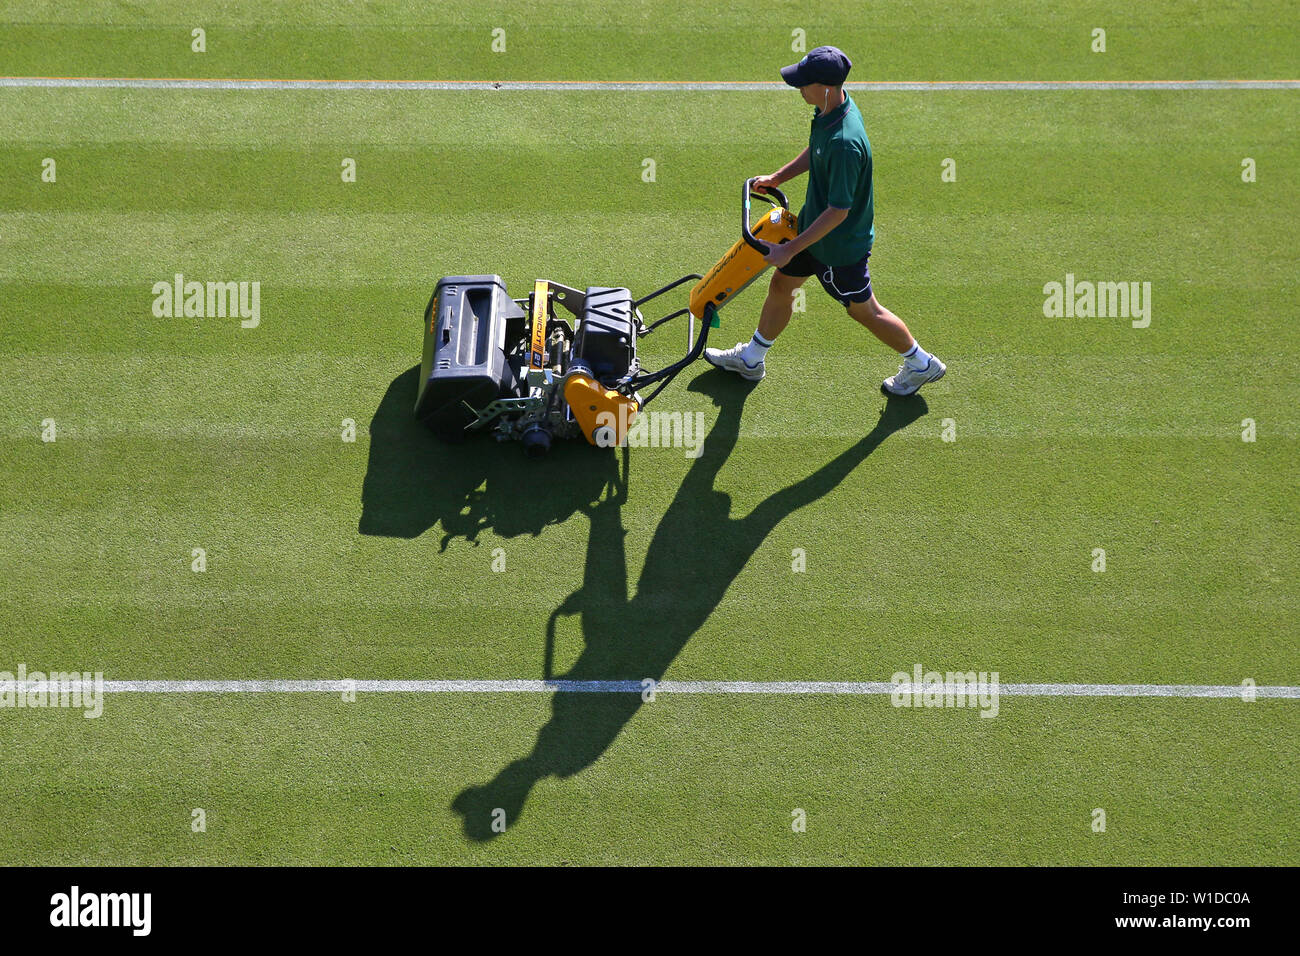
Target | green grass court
(374,559)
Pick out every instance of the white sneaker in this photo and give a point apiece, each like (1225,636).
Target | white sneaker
(909,379)
(730,360)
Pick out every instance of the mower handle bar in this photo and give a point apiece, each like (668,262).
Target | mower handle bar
(746,192)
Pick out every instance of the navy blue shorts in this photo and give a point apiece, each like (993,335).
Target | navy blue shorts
(844,284)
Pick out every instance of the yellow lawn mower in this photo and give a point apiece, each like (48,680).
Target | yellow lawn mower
(521,370)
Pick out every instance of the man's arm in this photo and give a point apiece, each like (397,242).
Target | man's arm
(819,227)
(796,167)
(845,167)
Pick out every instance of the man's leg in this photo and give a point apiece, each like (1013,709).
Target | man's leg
(919,366)
(883,324)
(746,358)
(779,304)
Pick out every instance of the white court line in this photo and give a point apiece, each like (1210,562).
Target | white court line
(631,687)
(622,86)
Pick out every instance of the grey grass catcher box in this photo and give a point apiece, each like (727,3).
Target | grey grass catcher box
(465,364)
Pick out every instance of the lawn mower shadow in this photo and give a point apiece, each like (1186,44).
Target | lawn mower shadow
(413,481)
(695,553)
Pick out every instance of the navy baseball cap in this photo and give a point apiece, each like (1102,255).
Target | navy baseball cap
(826,64)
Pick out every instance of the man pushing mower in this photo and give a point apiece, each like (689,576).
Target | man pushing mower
(836,230)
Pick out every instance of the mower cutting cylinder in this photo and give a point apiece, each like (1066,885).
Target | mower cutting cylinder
(537,441)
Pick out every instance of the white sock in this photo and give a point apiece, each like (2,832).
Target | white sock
(755,350)
(916,357)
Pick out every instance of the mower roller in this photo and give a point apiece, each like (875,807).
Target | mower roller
(519,369)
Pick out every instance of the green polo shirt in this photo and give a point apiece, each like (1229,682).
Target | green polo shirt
(839,175)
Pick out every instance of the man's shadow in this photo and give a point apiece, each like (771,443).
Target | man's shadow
(696,552)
